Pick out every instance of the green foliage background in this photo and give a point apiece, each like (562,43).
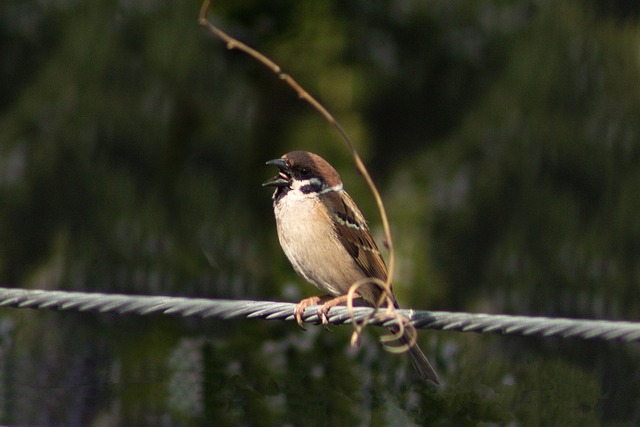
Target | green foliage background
(505,137)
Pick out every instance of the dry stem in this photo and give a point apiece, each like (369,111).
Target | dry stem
(233,43)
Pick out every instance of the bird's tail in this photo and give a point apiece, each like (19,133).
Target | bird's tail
(420,361)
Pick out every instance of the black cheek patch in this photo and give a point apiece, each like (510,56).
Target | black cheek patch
(314,186)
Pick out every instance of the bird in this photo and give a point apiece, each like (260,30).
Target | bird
(328,242)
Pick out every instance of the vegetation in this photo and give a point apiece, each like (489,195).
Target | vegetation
(504,136)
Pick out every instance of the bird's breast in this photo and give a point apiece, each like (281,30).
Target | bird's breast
(308,239)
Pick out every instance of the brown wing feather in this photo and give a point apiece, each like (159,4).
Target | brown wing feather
(353,232)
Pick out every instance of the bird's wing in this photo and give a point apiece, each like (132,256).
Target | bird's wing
(353,232)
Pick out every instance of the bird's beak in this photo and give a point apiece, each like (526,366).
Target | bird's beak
(283,179)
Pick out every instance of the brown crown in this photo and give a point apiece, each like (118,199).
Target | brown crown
(298,160)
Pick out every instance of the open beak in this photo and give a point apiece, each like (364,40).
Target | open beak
(283,179)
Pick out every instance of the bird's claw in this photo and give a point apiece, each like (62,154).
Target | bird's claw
(298,311)
(323,312)
(297,314)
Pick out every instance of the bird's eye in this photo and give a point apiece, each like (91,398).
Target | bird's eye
(305,172)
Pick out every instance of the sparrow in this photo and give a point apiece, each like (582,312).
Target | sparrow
(327,240)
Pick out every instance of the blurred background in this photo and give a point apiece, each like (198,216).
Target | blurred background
(505,139)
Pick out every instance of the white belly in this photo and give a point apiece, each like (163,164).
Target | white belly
(317,257)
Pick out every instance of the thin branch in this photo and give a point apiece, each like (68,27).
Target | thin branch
(233,43)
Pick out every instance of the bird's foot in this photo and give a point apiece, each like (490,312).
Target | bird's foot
(302,306)
(326,303)
(323,311)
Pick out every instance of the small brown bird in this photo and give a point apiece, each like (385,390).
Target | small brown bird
(327,240)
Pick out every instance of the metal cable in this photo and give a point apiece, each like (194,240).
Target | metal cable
(230,309)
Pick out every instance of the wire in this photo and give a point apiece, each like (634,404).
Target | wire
(268,310)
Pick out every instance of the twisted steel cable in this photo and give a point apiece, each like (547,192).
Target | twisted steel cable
(230,309)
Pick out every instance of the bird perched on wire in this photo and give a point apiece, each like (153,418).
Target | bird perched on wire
(327,240)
